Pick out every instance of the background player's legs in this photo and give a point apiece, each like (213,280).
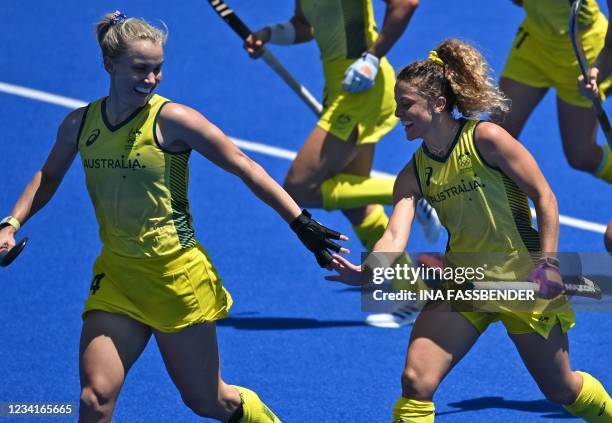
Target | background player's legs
(192,360)
(110,344)
(608,237)
(548,362)
(360,165)
(439,340)
(322,156)
(578,127)
(524,99)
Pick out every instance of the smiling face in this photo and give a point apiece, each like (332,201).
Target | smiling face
(136,73)
(413,110)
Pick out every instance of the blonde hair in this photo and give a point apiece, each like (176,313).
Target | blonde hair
(114,31)
(463,79)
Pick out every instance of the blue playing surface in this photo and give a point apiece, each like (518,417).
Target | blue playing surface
(297,340)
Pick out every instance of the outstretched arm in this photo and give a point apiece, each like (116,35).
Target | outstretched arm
(45,182)
(297,30)
(393,241)
(182,127)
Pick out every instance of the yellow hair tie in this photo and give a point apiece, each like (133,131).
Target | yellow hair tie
(433,56)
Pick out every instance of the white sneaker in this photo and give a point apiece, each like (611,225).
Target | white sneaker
(405,314)
(428,218)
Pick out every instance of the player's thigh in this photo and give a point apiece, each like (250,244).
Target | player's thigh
(578,127)
(524,99)
(109,346)
(440,338)
(547,360)
(362,162)
(322,156)
(191,357)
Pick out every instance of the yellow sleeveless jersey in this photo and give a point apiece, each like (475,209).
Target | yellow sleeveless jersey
(138,190)
(482,209)
(343,29)
(549,19)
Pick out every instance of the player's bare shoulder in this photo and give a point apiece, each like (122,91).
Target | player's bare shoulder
(406,184)
(69,130)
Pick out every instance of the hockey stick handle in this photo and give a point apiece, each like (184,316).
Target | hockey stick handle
(298,88)
(586,287)
(602,117)
(243,31)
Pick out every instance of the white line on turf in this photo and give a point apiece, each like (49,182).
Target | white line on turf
(248,145)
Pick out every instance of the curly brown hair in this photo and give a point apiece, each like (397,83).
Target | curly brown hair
(464,80)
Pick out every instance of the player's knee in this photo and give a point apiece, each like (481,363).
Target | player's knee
(299,189)
(98,399)
(418,385)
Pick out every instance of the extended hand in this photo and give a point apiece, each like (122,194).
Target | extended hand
(254,44)
(547,275)
(317,238)
(589,87)
(348,273)
(360,76)
(7,239)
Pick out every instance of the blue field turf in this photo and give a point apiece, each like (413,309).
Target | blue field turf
(296,339)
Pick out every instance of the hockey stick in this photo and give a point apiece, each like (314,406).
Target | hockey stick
(584,288)
(584,68)
(228,15)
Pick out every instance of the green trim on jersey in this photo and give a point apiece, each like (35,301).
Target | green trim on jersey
(139,190)
(482,209)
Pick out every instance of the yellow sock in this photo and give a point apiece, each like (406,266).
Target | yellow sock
(593,403)
(253,408)
(345,191)
(413,411)
(604,171)
(372,228)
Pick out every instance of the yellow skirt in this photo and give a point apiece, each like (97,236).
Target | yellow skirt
(165,293)
(552,63)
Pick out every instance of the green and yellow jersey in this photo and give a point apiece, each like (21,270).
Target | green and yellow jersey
(139,191)
(343,29)
(482,209)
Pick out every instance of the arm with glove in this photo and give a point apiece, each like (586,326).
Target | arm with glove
(360,76)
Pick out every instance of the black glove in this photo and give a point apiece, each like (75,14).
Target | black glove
(315,237)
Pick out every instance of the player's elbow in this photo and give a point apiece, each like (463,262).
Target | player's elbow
(546,200)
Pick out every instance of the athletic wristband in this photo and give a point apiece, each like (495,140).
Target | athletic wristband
(550,261)
(282,33)
(10,221)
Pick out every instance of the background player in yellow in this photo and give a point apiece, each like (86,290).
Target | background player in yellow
(152,277)
(491,217)
(599,72)
(542,57)
(332,168)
